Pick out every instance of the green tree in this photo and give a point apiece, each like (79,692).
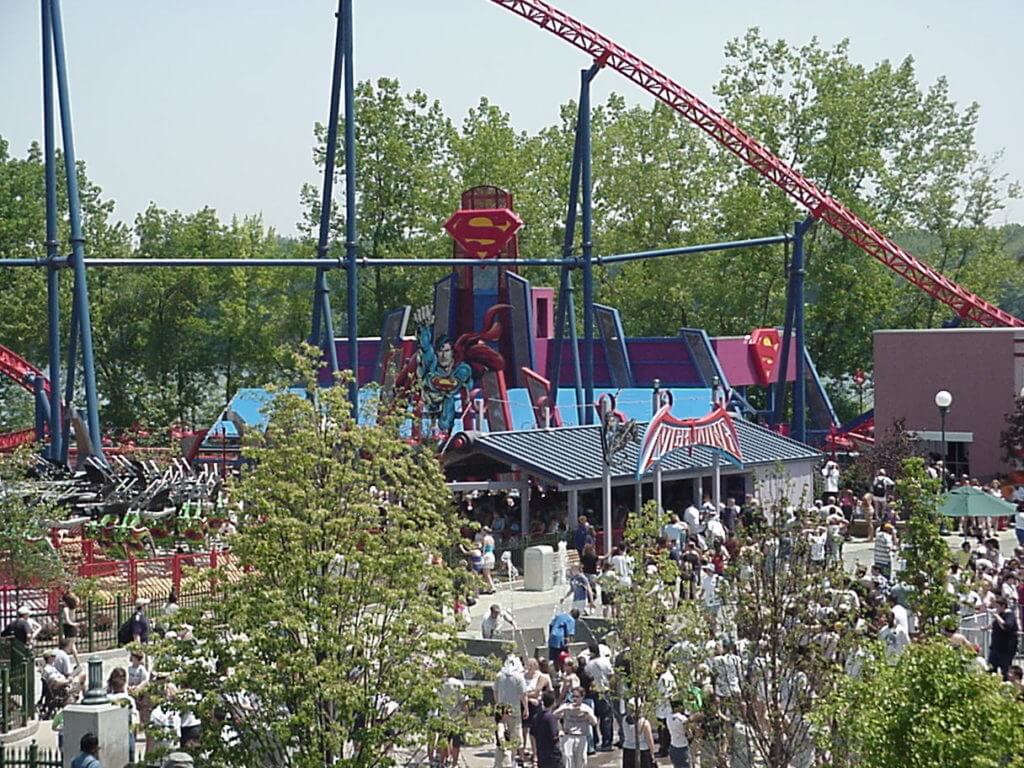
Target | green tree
(26,556)
(899,154)
(1011,439)
(406,190)
(643,612)
(930,707)
(891,449)
(338,610)
(926,552)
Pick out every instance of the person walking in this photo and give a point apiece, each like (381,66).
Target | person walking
(23,628)
(867,508)
(537,684)
(1003,645)
(140,626)
(510,692)
(544,734)
(577,719)
(885,550)
(68,625)
(881,487)
(679,747)
(637,738)
(580,591)
(600,669)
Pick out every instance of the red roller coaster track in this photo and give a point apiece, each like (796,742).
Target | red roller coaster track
(806,193)
(15,367)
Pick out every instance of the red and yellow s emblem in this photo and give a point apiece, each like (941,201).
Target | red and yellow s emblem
(483,232)
(764,348)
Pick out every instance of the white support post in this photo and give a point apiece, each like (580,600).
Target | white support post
(716,488)
(657,487)
(606,501)
(573,513)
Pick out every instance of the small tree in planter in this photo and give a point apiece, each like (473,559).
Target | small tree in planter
(927,553)
(889,452)
(1012,438)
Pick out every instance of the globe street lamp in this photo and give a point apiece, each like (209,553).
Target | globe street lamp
(943,400)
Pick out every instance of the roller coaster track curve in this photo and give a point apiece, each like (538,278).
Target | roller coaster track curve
(822,206)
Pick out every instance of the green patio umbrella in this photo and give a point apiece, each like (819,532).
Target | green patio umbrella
(966,501)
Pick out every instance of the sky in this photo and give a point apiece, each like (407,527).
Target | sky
(212,102)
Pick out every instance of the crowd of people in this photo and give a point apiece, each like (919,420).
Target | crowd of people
(557,711)
(64,678)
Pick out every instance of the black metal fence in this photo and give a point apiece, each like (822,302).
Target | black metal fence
(17,685)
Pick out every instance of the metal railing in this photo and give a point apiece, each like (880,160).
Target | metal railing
(17,685)
(29,757)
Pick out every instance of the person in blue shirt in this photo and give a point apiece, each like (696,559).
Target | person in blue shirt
(561,631)
(88,757)
(584,533)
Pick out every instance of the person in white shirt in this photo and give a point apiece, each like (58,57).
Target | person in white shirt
(62,659)
(818,540)
(599,667)
(622,562)
(1018,518)
(165,731)
(577,719)
(675,530)
(709,587)
(901,614)
(715,530)
(58,683)
(138,674)
(691,516)
(727,671)
(679,741)
(510,690)
(894,638)
(830,473)
(117,693)
(490,623)
(663,710)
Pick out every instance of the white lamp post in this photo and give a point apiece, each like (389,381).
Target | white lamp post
(943,400)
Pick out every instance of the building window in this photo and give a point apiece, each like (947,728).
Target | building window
(957,457)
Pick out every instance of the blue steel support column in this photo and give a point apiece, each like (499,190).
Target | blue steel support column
(322,332)
(588,246)
(69,392)
(779,394)
(566,305)
(351,250)
(41,407)
(799,428)
(77,238)
(53,452)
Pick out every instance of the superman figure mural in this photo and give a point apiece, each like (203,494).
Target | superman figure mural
(445,370)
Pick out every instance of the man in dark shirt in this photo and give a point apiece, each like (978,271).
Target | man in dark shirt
(20,629)
(1003,646)
(140,623)
(544,733)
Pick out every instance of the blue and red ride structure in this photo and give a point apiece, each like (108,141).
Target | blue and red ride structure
(535,333)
